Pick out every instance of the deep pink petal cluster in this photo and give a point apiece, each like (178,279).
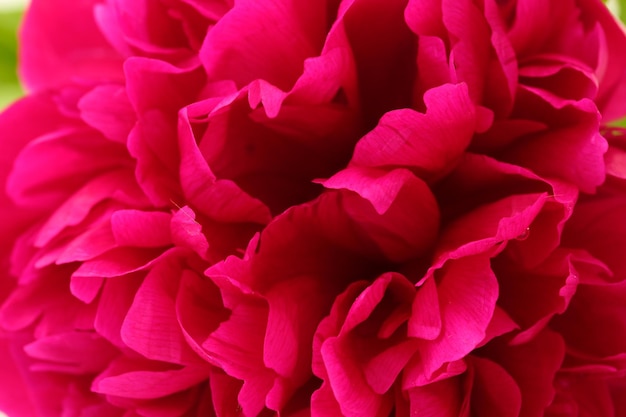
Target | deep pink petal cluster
(315,208)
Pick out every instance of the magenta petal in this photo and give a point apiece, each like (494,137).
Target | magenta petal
(17,312)
(461,254)
(413,375)
(568,80)
(235,343)
(224,389)
(400,234)
(177,87)
(381,44)
(141,229)
(79,52)
(323,77)
(149,384)
(501,323)
(530,224)
(113,304)
(117,262)
(425,322)
(28,302)
(174,405)
(15,119)
(331,325)
(72,352)
(534,366)
(72,245)
(286,32)
(587,393)
(295,309)
(221,199)
(77,207)
(378,187)
(383,370)
(151,327)
(573,152)
(107,109)
(615,159)
(47,391)
(468,291)
(14,393)
(425,17)
(551,285)
(252,395)
(97,240)
(229,202)
(139,34)
(86,289)
(432,59)
(439,399)
(429,143)
(261,92)
(76,152)
(364,305)
(494,391)
(597,226)
(506,58)
(612,95)
(323,402)
(358,359)
(88,278)
(355,396)
(593,324)
(107,20)
(186,232)
(485,228)
(157,91)
(471,51)
(199,311)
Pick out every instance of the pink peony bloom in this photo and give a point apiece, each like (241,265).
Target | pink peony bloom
(315,208)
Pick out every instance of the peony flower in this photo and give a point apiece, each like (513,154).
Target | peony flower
(315,208)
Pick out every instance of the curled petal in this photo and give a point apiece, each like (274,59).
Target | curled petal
(428,143)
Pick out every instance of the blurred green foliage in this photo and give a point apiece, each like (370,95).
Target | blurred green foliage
(618,7)
(9,85)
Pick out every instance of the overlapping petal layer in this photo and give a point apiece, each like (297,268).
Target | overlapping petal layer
(315,208)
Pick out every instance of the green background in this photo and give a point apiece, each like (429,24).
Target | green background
(9,86)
